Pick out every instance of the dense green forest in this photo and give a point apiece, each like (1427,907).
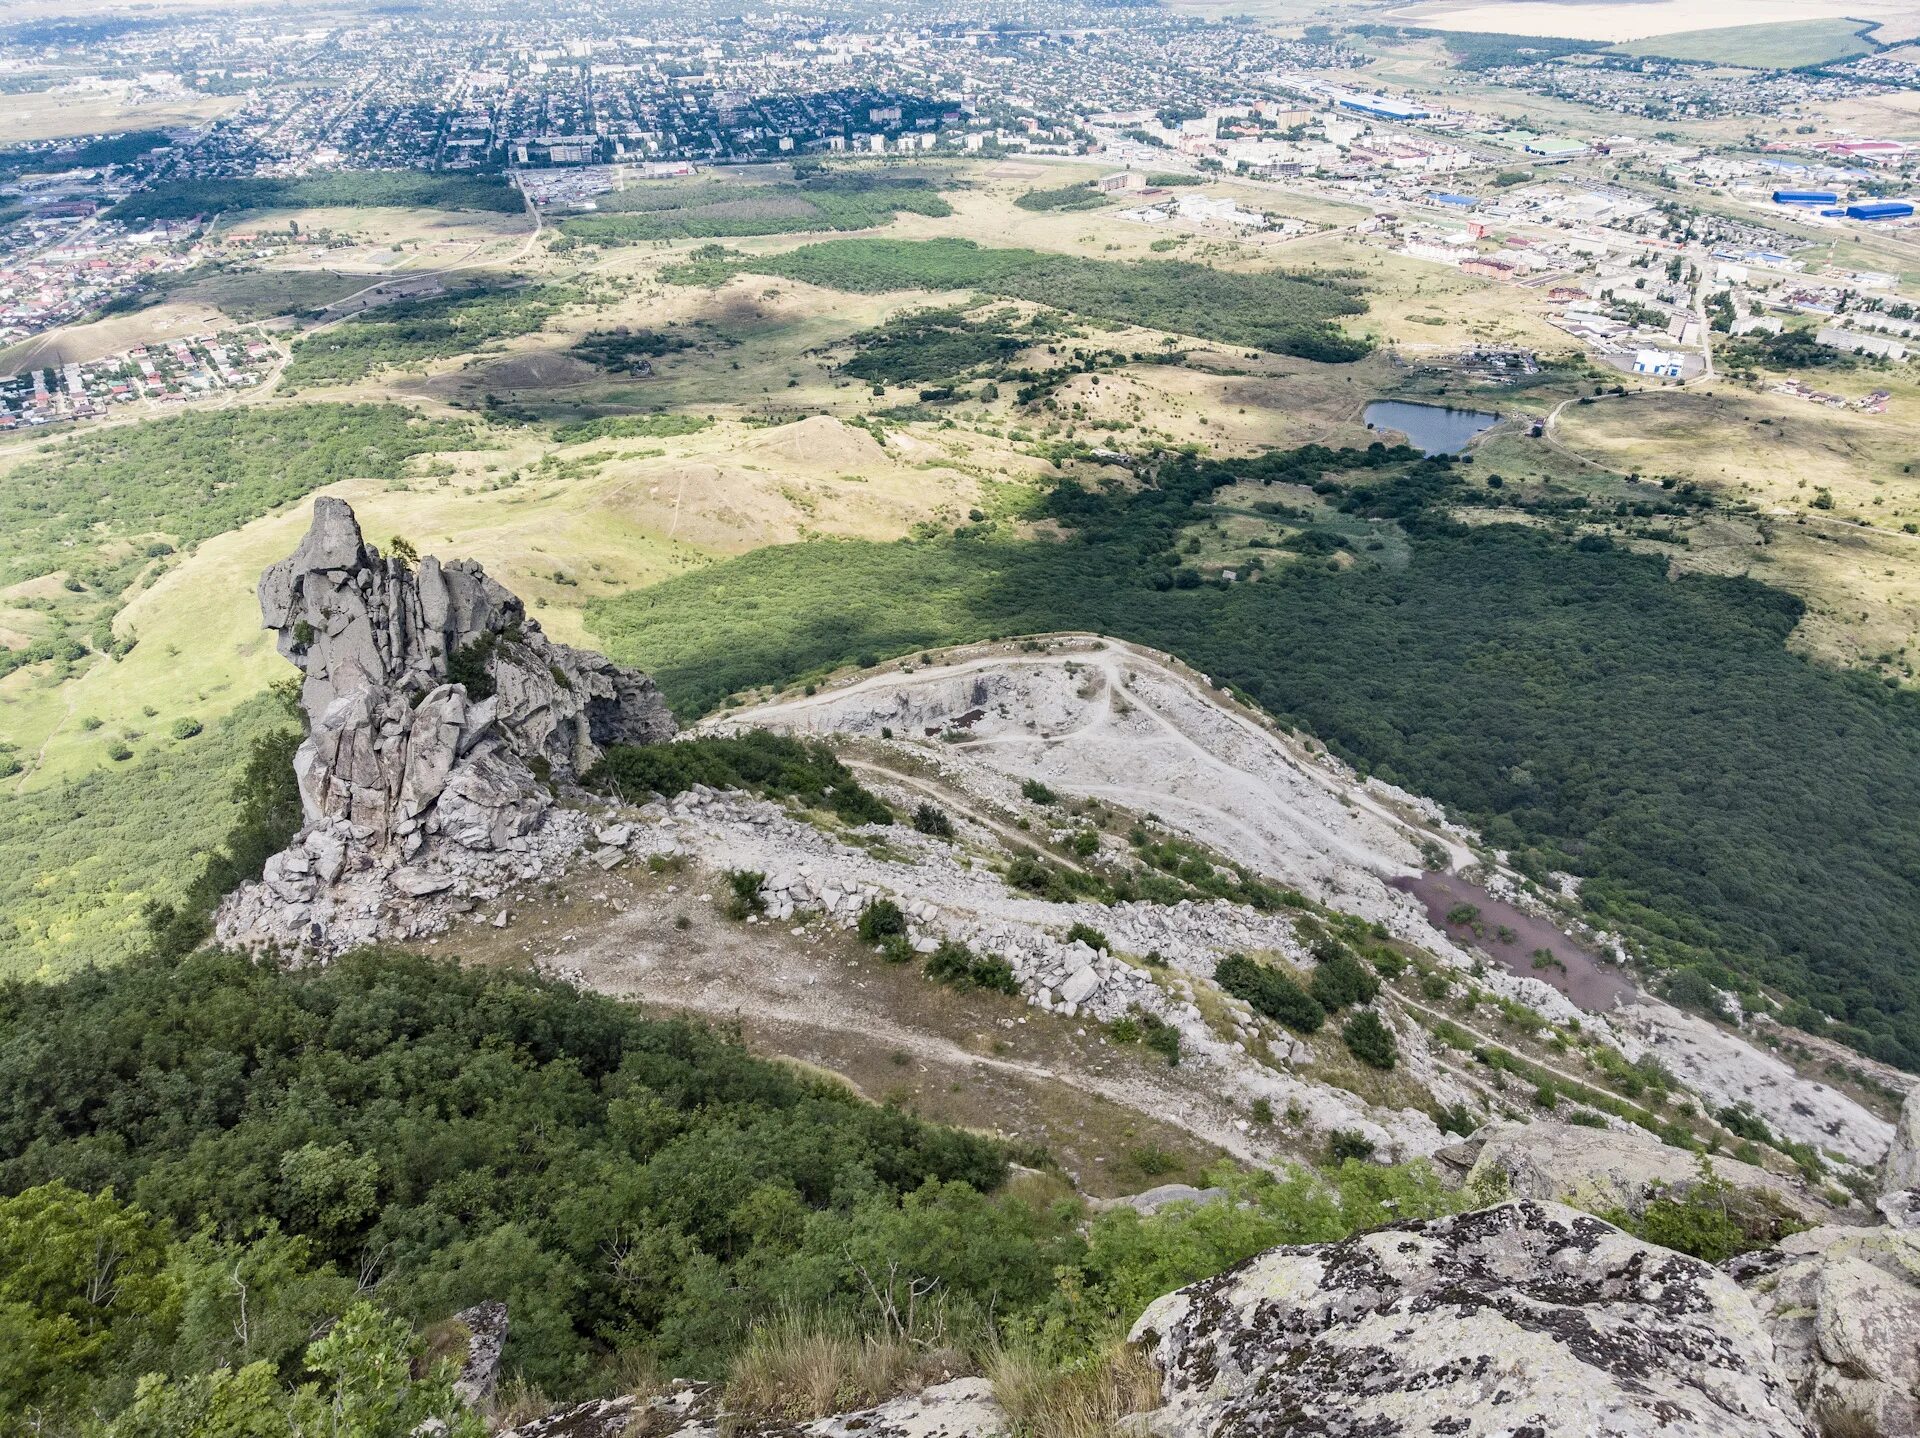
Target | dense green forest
(414,331)
(1735,805)
(175,482)
(81,860)
(357,189)
(1263,309)
(255,1153)
(712,209)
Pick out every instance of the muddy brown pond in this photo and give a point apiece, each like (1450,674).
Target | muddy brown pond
(1520,942)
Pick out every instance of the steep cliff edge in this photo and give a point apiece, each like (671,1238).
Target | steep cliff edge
(441,720)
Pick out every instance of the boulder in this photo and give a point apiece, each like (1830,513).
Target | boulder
(1152,1200)
(961,1408)
(1843,1308)
(1525,1318)
(1603,1168)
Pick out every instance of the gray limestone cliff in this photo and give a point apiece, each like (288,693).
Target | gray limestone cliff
(440,722)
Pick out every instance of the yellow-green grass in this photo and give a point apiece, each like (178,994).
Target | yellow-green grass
(611,516)
(1404,295)
(1854,564)
(46,115)
(1783,44)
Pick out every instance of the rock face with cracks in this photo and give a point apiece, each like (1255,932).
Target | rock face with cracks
(1843,1307)
(1524,1320)
(439,715)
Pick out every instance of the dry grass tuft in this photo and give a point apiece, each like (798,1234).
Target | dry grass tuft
(805,1366)
(1088,1400)
(518,1402)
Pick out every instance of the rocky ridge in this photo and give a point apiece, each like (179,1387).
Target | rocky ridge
(441,724)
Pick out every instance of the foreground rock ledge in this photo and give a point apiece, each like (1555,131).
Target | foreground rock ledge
(1526,1320)
(440,720)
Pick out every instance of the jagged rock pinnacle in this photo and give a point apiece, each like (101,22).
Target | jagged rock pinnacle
(438,715)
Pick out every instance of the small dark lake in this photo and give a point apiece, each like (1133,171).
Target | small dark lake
(1514,939)
(1430,428)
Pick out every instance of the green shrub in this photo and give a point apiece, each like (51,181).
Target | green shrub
(745,897)
(1270,993)
(931,820)
(957,966)
(1088,935)
(1370,1040)
(881,918)
(1039,793)
(1707,1218)
(1348,1145)
(1339,981)
(774,765)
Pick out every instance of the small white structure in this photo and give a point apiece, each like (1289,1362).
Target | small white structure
(1662,364)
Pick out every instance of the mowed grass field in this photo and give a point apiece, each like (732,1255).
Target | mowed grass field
(1780,45)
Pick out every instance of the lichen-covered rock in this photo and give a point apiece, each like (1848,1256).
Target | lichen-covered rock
(962,1408)
(1900,1169)
(1520,1321)
(485,1325)
(1602,1169)
(439,720)
(1843,1308)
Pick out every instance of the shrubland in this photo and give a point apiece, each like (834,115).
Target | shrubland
(1257,309)
(104,506)
(414,331)
(363,189)
(280,1169)
(84,861)
(1733,805)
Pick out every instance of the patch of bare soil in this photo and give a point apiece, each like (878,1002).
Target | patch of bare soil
(1117,1118)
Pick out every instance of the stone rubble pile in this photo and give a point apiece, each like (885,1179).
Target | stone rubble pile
(441,724)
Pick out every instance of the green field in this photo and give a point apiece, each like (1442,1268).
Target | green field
(402,189)
(713,209)
(80,861)
(102,508)
(1263,309)
(414,331)
(1730,802)
(1784,45)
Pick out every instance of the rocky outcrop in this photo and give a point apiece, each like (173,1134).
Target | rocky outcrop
(1843,1308)
(1900,1169)
(1522,1319)
(441,720)
(1604,1169)
(485,1328)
